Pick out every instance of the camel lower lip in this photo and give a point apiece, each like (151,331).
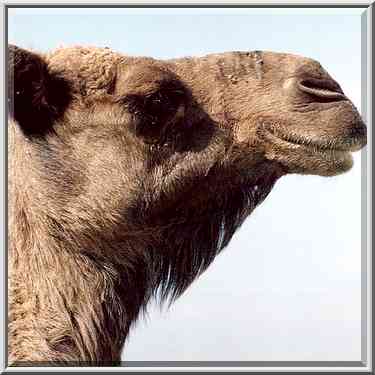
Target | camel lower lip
(307,145)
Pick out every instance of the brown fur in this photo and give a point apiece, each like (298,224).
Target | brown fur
(127,176)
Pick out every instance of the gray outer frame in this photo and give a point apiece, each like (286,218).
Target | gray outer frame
(367,263)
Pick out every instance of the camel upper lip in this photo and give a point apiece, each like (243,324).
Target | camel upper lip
(322,89)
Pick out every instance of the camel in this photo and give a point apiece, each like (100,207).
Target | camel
(128,175)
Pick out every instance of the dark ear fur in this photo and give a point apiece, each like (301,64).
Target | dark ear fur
(156,98)
(36,98)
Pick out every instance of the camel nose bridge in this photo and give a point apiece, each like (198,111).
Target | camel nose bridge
(292,67)
(309,68)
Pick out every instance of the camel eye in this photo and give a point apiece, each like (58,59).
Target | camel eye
(164,103)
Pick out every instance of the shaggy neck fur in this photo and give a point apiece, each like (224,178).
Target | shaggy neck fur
(83,302)
(74,312)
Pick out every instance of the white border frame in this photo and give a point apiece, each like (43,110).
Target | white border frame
(367,259)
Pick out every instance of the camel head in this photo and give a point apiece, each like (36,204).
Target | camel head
(184,147)
(127,176)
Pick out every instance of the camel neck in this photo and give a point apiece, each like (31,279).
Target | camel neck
(64,307)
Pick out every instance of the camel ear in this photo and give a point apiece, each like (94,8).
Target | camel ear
(156,98)
(35,97)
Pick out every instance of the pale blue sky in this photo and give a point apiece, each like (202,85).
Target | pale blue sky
(172,35)
(288,286)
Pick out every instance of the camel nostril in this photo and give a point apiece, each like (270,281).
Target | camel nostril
(319,83)
(323,90)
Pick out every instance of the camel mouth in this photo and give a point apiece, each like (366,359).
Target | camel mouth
(312,157)
(323,151)
(351,144)
(307,157)
(322,90)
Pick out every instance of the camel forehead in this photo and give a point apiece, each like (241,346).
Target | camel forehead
(89,68)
